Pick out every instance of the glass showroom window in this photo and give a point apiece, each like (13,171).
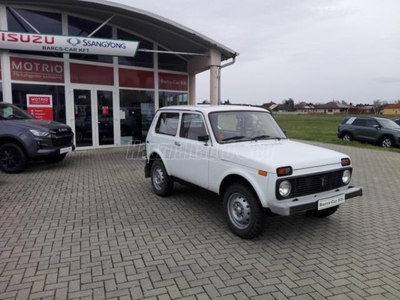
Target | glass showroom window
(141,59)
(136,114)
(173,98)
(171,62)
(19,92)
(44,22)
(83,27)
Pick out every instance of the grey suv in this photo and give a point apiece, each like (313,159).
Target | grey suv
(23,138)
(380,131)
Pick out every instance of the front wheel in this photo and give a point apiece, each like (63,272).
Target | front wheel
(387,142)
(55,158)
(161,182)
(243,211)
(12,158)
(324,212)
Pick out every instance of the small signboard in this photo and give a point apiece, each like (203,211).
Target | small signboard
(40,106)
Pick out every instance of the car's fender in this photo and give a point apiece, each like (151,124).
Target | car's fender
(222,170)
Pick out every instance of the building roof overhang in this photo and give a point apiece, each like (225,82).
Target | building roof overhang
(169,34)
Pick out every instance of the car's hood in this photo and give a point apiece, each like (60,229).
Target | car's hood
(35,124)
(270,155)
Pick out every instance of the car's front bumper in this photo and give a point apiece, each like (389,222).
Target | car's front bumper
(289,208)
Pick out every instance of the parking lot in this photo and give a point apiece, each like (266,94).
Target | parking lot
(91,228)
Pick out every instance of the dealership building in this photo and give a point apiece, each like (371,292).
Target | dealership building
(101,67)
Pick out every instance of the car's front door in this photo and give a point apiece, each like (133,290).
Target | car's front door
(192,148)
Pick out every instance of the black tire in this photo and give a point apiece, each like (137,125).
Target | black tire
(324,212)
(386,142)
(12,158)
(55,158)
(347,137)
(162,184)
(243,211)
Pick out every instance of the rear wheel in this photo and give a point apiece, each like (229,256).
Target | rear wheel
(55,158)
(243,211)
(347,137)
(387,142)
(161,182)
(12,158)
(324,212)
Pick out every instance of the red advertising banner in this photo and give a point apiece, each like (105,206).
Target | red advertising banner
(172,82)
(91,74)
(136,79)
(40,106)
(36,70)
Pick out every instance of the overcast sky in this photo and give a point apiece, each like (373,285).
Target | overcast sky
(308,50)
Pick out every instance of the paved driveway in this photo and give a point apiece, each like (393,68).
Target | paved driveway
(91,228)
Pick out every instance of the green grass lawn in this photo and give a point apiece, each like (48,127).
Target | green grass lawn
(318,128)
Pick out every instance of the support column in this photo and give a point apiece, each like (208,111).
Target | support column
(215,62)
(214,85)
(192,89)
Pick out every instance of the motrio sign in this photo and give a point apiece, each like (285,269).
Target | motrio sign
(66,44)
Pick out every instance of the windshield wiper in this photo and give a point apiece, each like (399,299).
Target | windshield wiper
(264,136)
(236,137)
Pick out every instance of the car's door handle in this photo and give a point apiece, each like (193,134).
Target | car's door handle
(177,144)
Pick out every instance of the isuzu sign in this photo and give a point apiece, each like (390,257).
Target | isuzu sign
(66,44)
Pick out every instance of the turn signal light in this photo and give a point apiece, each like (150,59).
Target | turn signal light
(284,171)
(262,173)
(345,161)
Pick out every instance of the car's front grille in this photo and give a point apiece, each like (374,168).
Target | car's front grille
(313,184)
(317,183)
(62,137)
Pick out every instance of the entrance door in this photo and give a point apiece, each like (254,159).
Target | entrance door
(94,117)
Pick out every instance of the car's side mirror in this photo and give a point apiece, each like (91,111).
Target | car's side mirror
(376,126)
(203,138)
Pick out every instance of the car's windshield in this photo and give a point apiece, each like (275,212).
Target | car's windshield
(239,126)
(11,112)
(389,124)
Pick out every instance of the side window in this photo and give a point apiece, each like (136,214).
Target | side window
(371,123)
(359,122)
(167,123)
(192,127)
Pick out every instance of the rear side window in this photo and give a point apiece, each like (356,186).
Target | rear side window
(192,127)
(167,123)
(360,122)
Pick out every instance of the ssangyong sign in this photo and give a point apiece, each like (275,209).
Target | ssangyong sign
(66,44)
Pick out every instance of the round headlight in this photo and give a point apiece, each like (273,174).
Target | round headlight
(285,187)
(346,176)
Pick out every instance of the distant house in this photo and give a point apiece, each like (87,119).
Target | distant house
(361,109)
(283,108)
(270,105)
(392,109)
(304,107)
(331,108)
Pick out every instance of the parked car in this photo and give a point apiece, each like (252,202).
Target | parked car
(23,138)
(379,131)
(242,154)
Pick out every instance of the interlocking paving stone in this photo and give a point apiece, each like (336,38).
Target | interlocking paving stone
(91,228)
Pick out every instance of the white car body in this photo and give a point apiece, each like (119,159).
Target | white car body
(210,164)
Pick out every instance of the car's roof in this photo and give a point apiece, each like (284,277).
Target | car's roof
(368,118)
(212,108)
